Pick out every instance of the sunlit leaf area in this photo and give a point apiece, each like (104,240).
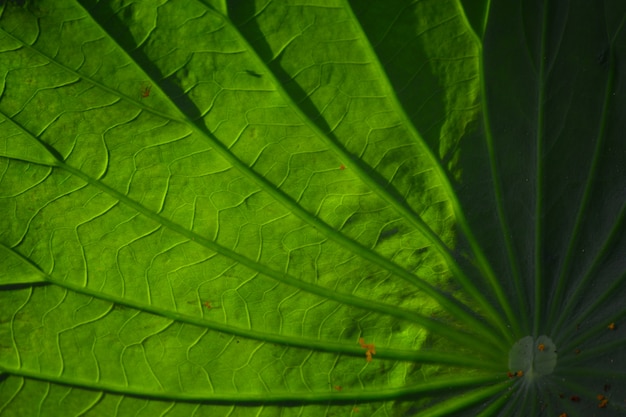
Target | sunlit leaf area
(312,208)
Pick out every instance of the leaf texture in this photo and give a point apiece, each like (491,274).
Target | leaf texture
(304,208)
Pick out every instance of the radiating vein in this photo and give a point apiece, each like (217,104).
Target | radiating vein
(583,210)
(433,386)
(499,199)
(330,294)
(539,178)
(423,227)
(452,305)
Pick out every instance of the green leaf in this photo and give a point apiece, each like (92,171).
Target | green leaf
(14,270)
(319,208)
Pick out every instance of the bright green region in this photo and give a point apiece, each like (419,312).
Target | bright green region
(15,270)
(312,208)
(15,144)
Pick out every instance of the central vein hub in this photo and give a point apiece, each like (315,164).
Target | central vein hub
(535,357)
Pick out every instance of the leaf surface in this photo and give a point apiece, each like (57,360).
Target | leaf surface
(305,208)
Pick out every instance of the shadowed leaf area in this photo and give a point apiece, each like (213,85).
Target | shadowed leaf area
(316,208)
